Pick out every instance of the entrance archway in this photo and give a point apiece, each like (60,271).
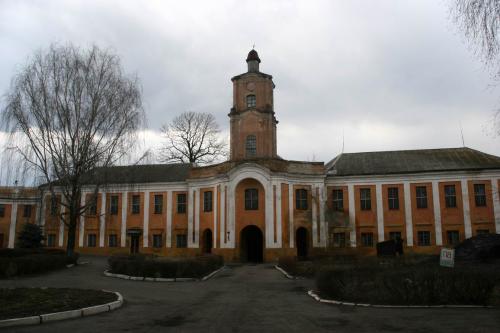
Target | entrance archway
(251,244)
(207,241)
(302,242)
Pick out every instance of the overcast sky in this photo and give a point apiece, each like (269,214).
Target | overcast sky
(389,74)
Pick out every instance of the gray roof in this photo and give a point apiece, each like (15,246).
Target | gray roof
(411,161)
(134,174)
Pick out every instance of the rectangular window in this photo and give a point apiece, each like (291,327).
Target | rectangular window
(480,195)
(27,211)
(338,200)
(2,210)
(251,101)
(301,199)
(91,240)
(482,231)
(393,197)
(394,235)
(450,196)
(181,203)
(112,240)
(421,196)
(424,238)
(207,201)
(452,237)
(92,208)
(113,205)
(365,199)
(181,241)
(157,243)
(367,239)
(251,199)
(339,239)
(158,203)
(136,204)
(51,240)
(54,205)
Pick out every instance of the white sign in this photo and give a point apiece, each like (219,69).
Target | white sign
(447,257)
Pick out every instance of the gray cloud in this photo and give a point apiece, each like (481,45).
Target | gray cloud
(390,74)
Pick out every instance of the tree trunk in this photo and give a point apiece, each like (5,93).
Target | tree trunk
(70,247)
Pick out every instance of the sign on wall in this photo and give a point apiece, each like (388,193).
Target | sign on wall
(447,257)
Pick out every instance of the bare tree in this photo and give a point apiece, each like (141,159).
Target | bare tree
(480,22)
(192,138)
(75,112)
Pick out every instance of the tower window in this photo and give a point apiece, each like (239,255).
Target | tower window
(251,101)
(251,199)
(251,145)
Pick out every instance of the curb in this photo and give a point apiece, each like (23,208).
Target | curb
(55,316)
(285,273)
(151,279)
(330,301)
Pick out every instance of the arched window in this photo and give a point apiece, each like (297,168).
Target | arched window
(251,101)
(251,145)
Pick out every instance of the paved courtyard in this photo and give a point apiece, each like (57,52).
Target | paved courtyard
(242,298)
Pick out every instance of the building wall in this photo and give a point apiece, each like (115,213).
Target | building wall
(437,219)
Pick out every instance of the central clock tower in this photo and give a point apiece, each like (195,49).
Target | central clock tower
(253,124)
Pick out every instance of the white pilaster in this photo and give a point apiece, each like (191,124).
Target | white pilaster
(61,225)
(380,212)
(314,216)
(123,231)
(290,215)
(81,232)
(437,212)
(466,206)
(43,212)
(408,216)
(190,207)
(169,219)
(278,215)
(12,227)
(352,214)
(496,203)
(214,242)
(145,227)
(102,220)
(322,223)
(269,215)
(197,219)
(222,236)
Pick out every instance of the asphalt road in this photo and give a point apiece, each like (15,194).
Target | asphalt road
(242,298)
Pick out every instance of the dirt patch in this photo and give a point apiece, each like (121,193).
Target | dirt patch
(25,302)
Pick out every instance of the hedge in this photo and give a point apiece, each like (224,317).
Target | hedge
(161,267)
(15,262)
(425,283)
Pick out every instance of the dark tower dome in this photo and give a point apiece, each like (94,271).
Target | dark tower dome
(253,61)
(253,55)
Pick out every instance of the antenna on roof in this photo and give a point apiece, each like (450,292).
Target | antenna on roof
(462,133)
(253,46)
(342,141)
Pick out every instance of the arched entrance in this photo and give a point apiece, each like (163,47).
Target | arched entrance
(251,244)
(302,242)
(207,241)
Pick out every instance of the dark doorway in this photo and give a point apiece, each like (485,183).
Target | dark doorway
(302,242)
(251,244)
(207,241)
(134,244)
